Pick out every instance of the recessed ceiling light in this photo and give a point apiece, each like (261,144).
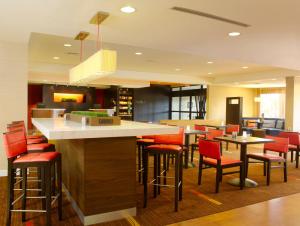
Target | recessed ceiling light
(234,34)
(210,62)
(177,69)
(45,80)
(138,53)
(127,9)
(236,83)
(209,73)
(56,58)
(274,79)
(245,67)
(67,45)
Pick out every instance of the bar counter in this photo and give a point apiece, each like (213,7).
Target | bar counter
(99,165)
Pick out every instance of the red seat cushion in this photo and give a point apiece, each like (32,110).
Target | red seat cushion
(291,146)
(165,147)
(39,147)
(145,141)
(37,157)
(34,137)
(35,141)
(224,161)
(266,157)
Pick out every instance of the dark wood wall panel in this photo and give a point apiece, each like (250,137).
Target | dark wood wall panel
(151,103)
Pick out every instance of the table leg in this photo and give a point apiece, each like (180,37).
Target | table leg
(236,181)
(186,154)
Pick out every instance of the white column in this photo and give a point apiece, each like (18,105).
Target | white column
(292,103)
(13,89)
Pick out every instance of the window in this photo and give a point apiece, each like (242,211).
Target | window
(186,101)
(272,105)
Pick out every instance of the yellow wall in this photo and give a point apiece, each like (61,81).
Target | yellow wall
(13,89)
(217,101)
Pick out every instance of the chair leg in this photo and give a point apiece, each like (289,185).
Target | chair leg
(139,163)
(292,156)
(165,168)
(168,162)
(59,187)
(246,167)
(297,159)
(176,181)
(265,169)
(43,186)
(200,169)
(218,178)
(48,194)
(268,172)
(285,171)
(158,173)
(186,158)
(24,188)
(237,146)
(155,175)
(10,193)
(180,176)
(221,175)
(192,154)
(227,146)
(145,176)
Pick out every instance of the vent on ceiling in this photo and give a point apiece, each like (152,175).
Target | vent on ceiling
(210,16)
(72,53)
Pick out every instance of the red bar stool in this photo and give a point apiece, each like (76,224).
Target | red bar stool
(280,146)
(18,157)
(142,143)
(30,140)
(28,136)
(294,144)
(210,155)
(35,144)
(165,145)
(232,128)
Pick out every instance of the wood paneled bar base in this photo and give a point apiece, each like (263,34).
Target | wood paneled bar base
(99,175)
(99,165)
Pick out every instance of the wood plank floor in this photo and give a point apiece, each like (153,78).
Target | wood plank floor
(198,201)
(276,212)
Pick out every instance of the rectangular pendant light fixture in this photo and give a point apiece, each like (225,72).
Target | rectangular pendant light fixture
(100,64)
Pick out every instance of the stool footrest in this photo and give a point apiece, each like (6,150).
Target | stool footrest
(29,211)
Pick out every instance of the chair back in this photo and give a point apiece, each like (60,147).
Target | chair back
(148,137)
(212,133)
(14,143)
(210,149)
(280,145)
(177,139)
(232,128)
(294,137)
(199,127)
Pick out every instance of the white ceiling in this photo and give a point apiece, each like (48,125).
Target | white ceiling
(168,37)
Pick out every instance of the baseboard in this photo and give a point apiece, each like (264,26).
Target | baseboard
(3,173)
(99,218)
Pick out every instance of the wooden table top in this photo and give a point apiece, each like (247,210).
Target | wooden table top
(244,140)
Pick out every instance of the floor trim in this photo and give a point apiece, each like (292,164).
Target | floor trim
(102,217)
(3,173)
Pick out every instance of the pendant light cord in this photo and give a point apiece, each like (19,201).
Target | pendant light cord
(98,37)
(81,49)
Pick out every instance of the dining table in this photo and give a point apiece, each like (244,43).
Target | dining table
(218,127)
(244,141)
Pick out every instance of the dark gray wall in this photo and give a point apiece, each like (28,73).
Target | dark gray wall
(48,91)
(151,104)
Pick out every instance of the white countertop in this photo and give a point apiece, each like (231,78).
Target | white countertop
(53,109)
(58,129)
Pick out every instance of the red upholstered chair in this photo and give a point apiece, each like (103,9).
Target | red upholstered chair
(197,137)
(165,145)
(142,143)
(18,157)
(280,145)
(232,128)
(294,144)
(210,155)
(30,139)
(212,133)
